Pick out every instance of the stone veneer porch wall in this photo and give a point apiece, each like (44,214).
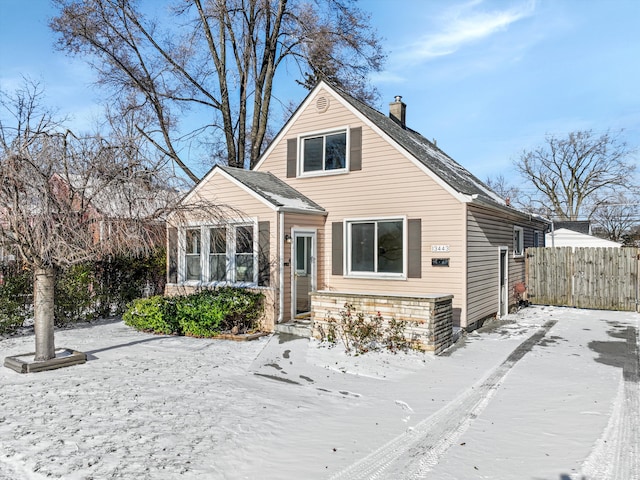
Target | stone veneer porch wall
(432,314)
(268,320)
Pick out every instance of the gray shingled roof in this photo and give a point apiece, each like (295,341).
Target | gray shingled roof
(272,189)
(454,174)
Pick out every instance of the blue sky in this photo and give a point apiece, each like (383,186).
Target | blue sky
(485,79)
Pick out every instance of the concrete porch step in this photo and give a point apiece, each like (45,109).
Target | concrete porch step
(299,328)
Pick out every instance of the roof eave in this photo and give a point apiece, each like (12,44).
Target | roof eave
(287,209)
(505,208)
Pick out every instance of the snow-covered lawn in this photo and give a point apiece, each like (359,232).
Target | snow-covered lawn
(551,393)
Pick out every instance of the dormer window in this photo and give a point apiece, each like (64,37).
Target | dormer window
(325,152)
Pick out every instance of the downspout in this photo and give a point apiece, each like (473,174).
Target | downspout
(281,269)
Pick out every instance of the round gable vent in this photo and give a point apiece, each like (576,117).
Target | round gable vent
(322,104)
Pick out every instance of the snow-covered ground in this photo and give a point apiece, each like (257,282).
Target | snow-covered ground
(551,393)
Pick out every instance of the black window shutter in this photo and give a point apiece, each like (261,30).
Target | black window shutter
(415,248)
(336,248)
(355,149)
(292,157)
(264,265)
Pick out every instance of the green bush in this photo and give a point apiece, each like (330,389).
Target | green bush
(151,315)
(15,297)
(74,294)
(207,313)
(83,292)
(200,315)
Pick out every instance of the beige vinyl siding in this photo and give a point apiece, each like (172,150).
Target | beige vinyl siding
(389,185)
(487,231)
(238,204)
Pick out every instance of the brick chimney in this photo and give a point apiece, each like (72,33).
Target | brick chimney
(398,111)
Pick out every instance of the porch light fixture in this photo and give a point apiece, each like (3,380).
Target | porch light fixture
(287,238)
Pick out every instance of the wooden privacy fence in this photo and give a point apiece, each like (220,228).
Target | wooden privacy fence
(600,278)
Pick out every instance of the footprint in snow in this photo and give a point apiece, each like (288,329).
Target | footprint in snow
(404,405)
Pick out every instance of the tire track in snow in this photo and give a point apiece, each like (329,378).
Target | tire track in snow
(616,455)
(414,453)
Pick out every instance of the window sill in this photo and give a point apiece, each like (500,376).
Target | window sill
(374,276)
(323,173)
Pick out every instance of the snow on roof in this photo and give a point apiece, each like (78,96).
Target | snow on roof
(450,171)
(563,237)
(272,189)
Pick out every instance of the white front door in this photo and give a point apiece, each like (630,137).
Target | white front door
(304,270)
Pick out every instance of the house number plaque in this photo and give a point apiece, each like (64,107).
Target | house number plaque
(439,262)
(439,248)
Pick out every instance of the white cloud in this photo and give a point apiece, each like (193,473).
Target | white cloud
(463,25)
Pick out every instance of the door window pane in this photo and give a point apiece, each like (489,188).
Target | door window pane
(301,255)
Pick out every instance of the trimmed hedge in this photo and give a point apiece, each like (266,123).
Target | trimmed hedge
(82,292)
(207,313)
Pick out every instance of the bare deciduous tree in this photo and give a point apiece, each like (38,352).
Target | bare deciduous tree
(217,57)
(573,175)
(508,192)
(617,216)
(66,199)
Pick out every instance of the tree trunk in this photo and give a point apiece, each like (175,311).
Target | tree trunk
(43,301)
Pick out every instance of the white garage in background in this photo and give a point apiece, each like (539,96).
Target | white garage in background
(563,237)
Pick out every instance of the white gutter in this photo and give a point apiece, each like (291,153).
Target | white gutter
(281,269)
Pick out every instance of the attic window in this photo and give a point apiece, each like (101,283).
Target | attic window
(322,104)
(323,153)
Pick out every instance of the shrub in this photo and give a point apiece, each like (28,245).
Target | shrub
(199,314)
(15,297)
(152,314)
(360,334)
(74,292)
(207,313)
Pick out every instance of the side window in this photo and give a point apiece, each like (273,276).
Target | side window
(518,241)
(244,257)
(192,254)
(324,152)
(218,254)
(537,239)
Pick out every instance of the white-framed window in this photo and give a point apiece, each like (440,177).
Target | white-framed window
(245,254)
(218,254)
(193,249)
(212,254)
(518,241)
(376,247)
(322,153)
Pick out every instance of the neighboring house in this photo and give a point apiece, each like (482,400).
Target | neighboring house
(564,237)
(347,202)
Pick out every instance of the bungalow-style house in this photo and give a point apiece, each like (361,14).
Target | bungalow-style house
(350,205)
